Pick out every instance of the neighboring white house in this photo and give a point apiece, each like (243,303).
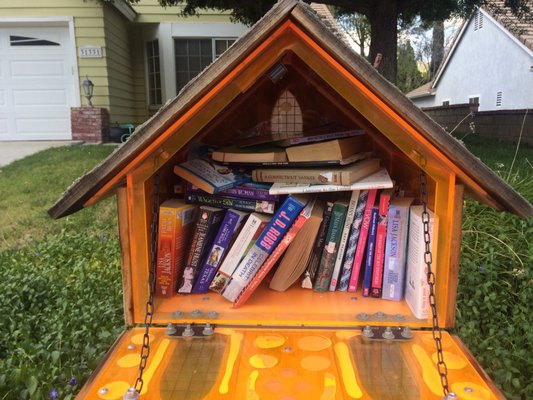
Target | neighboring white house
(490,63)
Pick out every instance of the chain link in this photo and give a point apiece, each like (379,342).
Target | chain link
(145,349)
(428,259)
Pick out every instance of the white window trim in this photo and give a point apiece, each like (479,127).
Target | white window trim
(472,96)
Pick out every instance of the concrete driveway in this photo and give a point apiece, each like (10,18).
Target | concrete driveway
(11,151)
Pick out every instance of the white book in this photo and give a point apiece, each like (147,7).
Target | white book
(344,240)
(416,286)
(377,180)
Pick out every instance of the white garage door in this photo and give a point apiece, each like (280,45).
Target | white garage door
(37,85)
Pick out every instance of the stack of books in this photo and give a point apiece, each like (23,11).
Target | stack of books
(318,211)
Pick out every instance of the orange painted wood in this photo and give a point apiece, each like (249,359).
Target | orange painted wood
(123,231)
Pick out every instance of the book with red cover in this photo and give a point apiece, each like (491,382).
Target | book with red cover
(361,242)
(381,236)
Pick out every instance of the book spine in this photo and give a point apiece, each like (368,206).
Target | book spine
(207,222)
(229,225)
(316,254)
(395,253)
(244,241)
(165,258)
(271,260)
(344,240)
(265,245)
(241,192)
(361,241)
(379,254)
(297,176)
(352,242)
(370,249)
(329,254)
(320,138)
(251,205)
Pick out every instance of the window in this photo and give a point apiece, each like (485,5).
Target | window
(478,20)
(193,55)
(154,73)
(473,100)
(446,103)
(29,41)
(498,99)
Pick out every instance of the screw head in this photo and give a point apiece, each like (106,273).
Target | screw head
(131,346)
(388,334)
(368,332)
(188,331)
(196,313)
(103,390)
(212,315)
(362,316)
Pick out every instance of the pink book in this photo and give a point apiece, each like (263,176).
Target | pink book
(381,235)
(361,242)
(276,254)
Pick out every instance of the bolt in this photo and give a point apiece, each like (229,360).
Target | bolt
(131,346)
(287,349)
(468,390)
(380,315)
(196,313)
(368,332)
(406,333)
(178,314)
(399,317)
(188,331)
(362,316)
(388,334)
(208,330)
(131,394)
(170,329)
(451,396)
(103,390)
(212,315)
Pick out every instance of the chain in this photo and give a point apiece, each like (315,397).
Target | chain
(145,349)
(436,330)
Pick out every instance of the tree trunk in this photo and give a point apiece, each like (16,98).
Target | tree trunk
(384,37)
(437,47)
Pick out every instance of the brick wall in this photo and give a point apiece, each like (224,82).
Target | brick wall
(89,124)
(503,124)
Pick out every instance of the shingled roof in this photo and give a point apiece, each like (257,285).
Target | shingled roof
(105,178)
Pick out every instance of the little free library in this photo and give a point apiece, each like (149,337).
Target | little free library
(290,228)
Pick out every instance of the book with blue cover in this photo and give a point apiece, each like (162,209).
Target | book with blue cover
(264,246)
(370,249)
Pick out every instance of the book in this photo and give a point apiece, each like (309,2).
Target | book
(416,286)
(207,224)
(345,175)
(331,246)
(318,138)
(252,228)
(370,252)
(361,241)
(264,246)
(355,230)
(263,206)
(304,164)
(211,177)
(254,154)
(381,235)
(175,228)
(247,191)
(318,247)
(396,249)
(344,240)
(230,225)
(377,180)
(311,209)
(296,258)
(329,150)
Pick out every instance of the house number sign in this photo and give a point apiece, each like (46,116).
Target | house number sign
(90,52)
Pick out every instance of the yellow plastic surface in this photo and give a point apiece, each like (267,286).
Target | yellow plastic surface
(253,364)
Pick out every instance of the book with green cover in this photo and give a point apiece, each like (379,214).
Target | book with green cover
(329,254)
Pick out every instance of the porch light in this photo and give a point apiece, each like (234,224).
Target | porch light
(88,87)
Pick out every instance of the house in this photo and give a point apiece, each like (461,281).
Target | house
(138,57)
(490,63)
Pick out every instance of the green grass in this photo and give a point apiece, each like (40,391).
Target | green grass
(60,293)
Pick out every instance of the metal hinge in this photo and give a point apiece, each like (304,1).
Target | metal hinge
(198,331)
(386,332)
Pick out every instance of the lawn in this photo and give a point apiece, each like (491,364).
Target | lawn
(60,293)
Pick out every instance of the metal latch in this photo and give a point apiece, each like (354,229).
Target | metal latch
(189,330)
(387,332)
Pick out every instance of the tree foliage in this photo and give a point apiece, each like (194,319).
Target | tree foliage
(409,76)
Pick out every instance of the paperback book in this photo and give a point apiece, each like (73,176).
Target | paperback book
(370,252)
(329,150)
(251,205)
(247,191)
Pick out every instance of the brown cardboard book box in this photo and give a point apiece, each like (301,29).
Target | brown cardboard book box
(297,344)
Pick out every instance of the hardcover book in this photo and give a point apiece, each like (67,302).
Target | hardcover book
(230,225)
(297,255)
(207,225)
(311,208)
(396,249)
(247,191)
(329,150)
(329,254)
(416,286)
(355,230)
(381,235)
(175,227)
(370,251)
(248,235)
(318,138)
(337,175)
(251,205)
(344,240)
(253,154)
(264,246)
(362,241)
(377,180)
(211,177)
(318,247)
